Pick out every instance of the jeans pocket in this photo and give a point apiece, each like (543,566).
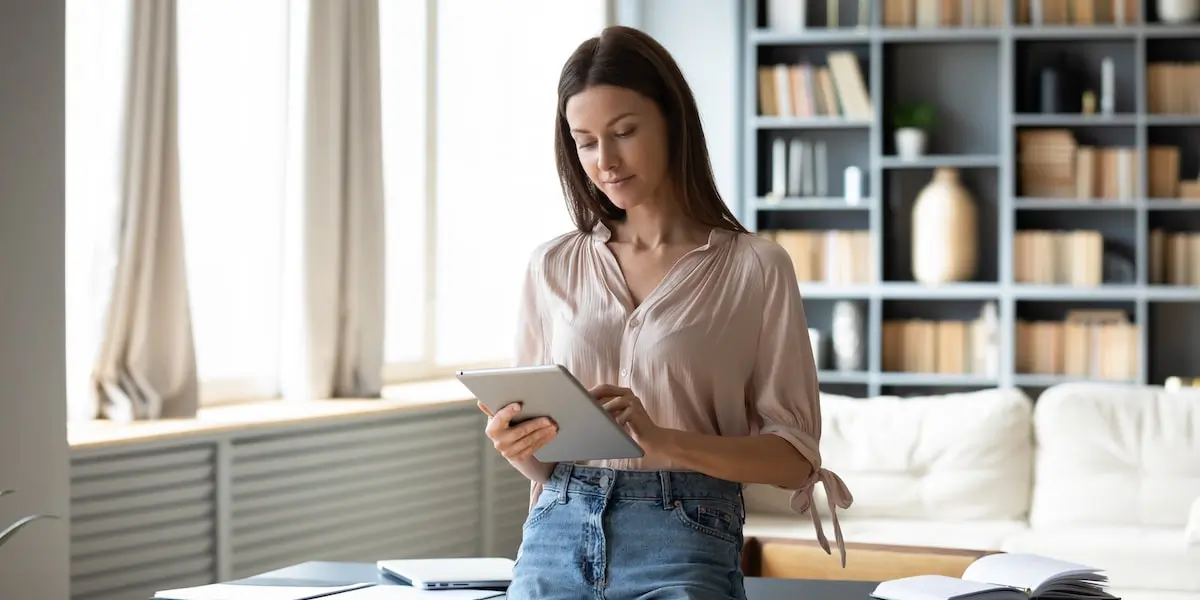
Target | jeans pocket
(715,518)
(546,502)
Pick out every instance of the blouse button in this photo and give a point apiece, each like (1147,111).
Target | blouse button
(633,322)
(624,372)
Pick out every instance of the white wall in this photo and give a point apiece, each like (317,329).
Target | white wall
(33,439)
(702,35)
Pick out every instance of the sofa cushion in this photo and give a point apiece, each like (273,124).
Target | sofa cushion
(1112,454)
(962,456)
(1135,557)
(968,535)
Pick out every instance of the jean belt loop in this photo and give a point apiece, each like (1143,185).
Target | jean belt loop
(664,478)
(566,470)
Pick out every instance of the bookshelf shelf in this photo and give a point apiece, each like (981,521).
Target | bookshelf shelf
(809,204)
(1071,204)
(1074,33)
(809,123)
(962,161)
(940,35)
(1104,217)
(1074,120)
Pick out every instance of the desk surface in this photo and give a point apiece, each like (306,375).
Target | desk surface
(756,588)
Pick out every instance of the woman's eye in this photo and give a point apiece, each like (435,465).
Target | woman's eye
(586,145)
(626,133)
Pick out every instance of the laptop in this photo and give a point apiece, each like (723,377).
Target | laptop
(450,573)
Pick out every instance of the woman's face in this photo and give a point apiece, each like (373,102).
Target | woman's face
(621,139)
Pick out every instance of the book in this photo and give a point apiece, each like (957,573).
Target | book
(1004,576)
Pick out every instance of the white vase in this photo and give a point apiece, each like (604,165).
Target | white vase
(848,332)
(1178,11)
(910,143)
(944,231)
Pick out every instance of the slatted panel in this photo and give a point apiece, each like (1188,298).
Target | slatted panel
(407,486)
(142,521)
(510,505)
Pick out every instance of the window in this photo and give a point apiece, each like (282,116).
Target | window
(495,193)
(95,88)
(233,111)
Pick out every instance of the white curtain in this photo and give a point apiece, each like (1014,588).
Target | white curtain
(334,338)
(146,364)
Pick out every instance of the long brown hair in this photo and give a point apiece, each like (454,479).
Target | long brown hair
(629,58)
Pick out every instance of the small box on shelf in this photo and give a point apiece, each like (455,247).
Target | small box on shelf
(1080,341)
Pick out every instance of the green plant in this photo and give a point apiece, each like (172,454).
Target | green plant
(918,115)
(11,530)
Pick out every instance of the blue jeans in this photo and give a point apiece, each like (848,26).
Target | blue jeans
(605,534)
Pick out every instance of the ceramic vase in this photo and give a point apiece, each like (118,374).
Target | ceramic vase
(910,143)
(944,231)
(849,347)
(1178,11)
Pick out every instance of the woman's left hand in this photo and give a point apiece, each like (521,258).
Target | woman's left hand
(629,412)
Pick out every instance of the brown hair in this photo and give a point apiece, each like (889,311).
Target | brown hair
(629,58)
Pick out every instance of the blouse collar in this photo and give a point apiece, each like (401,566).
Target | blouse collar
(602,234)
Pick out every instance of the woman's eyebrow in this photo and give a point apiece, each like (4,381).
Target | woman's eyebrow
(610,122)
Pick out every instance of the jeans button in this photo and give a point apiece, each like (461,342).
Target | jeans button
(604,481)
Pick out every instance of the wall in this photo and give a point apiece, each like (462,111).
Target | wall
(702,35)
(33,440)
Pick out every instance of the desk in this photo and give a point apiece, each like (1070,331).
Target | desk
(756,588)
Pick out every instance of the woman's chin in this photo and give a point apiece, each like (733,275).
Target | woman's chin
(625,201)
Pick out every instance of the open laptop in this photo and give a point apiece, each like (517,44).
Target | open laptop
(450,573)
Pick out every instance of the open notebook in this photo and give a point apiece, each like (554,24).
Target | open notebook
(1004,577)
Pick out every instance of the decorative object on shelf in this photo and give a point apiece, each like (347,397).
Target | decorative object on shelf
(1089,102)
(1059,85)
(913,122)
(944,230)
(1108,94)
(1178,11)
(814,340)
(852,185)
(1175,383)
(786,15)
(848,336)
(1118,264)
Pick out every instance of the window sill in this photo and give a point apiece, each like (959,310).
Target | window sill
(268,412)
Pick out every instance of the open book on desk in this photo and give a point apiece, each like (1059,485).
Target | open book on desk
(1004,577)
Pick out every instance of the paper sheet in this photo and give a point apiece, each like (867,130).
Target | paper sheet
(229,591)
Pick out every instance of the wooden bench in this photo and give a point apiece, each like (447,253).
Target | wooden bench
(804,559)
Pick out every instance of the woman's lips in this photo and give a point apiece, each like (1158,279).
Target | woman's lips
(620,181)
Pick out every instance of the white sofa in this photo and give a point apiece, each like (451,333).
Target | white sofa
(1105,475)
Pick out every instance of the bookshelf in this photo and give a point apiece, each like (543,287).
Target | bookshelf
(1088,208)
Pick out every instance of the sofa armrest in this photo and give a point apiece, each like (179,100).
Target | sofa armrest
(1191,533)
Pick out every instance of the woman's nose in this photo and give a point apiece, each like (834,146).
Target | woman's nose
(608,158)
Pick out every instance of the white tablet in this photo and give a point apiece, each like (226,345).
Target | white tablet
(585,430)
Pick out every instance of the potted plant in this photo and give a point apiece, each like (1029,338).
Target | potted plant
(913,122)
(12,529)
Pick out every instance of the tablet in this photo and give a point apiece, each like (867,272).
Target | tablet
(585,430)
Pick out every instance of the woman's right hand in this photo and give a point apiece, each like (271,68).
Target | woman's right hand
(517,442)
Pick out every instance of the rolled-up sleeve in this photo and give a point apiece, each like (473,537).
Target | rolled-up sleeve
(784,388)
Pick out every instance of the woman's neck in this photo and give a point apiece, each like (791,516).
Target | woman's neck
(656,224)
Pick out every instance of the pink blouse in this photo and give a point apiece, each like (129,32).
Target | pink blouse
(719,347)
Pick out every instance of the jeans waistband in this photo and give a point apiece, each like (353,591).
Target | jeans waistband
(668,486)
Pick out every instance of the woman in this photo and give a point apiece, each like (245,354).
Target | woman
(686,327)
